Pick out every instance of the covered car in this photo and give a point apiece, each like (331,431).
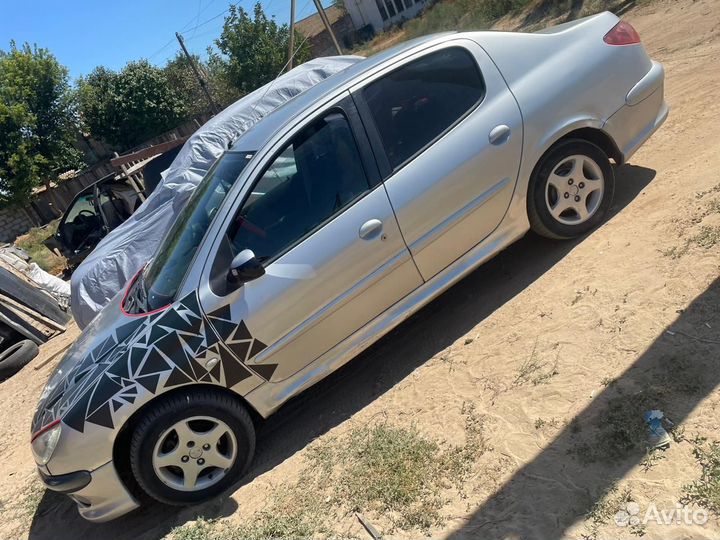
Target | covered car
(124,251)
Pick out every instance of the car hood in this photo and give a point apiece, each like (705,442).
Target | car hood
(105,335)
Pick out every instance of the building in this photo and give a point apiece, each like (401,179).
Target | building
(382,14)
(357,20)
(319,40)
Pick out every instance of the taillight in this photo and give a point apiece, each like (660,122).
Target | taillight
(622,34)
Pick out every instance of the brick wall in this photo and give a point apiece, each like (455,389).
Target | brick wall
(13,222)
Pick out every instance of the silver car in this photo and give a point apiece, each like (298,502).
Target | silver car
(330,222)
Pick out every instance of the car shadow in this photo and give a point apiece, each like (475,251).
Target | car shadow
(558,488)
(358,383)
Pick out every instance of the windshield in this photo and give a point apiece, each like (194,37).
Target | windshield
(157,285)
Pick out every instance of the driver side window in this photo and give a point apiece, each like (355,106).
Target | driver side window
(313,178)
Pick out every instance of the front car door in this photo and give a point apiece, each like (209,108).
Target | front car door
(449,135)
(320,221)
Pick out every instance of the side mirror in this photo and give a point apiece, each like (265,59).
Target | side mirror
(245,267)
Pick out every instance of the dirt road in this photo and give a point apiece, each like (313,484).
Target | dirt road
(559,347)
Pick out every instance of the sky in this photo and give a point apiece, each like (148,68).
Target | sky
(85,34)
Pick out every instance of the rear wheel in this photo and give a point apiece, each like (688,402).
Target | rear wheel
(191,447)
(571,190)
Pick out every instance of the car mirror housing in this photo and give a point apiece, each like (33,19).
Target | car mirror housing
(245,267)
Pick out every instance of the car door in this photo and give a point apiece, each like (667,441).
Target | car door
(449,135)
(320,221)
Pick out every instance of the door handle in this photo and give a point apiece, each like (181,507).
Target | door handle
(370,229)
(499,134)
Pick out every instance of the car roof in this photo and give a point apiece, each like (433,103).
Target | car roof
(259,134)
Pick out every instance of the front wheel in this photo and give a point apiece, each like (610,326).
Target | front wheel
(191,447)
(571,190)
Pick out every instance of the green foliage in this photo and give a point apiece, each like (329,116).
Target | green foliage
(128,107)
(706,490)
(181,77)
(38,122)
(253,49)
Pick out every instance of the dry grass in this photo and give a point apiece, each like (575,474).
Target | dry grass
(705,491)
(383,471)
(535,371)
(32,242)
(603,511)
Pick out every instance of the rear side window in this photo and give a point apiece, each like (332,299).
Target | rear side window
(416,104)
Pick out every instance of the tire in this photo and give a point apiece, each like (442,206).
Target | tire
(161,432)
(586,182)
(14,358)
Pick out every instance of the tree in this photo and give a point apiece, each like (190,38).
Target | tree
(254,50)
(128,107)
(38,122)
(182,77)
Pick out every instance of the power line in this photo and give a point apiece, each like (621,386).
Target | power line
(161,49)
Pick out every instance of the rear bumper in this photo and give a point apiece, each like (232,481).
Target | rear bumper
(644,112)
(99,494)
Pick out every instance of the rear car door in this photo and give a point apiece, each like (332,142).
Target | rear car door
(320,221)
(448,133)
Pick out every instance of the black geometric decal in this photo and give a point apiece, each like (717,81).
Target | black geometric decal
(240,348)
(190,303)
(177,378)
(103,347)
(257,346)
(264,370)
(75,417)
(224,328)
(149,382)
(126,330)
(120,367)
(154,363)
(138,354)
(194,342)
(222,312)
(240,332)
(215,372)
(234,372)
(103,392)
(172,320)
(156,333)
(130,390)
(170,345)
(136,357)
(102,417)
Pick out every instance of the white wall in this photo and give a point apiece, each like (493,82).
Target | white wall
(364,12)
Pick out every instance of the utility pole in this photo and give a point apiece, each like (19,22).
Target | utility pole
(213,106)
(291,49)
(326,22)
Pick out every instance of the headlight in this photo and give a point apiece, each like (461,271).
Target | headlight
(44,443)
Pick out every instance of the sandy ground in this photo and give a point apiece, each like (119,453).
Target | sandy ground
(635,302)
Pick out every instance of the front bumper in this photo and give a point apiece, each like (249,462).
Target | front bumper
(99,494)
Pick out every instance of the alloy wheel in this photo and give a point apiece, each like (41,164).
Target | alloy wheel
(194,453)
(574,190)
